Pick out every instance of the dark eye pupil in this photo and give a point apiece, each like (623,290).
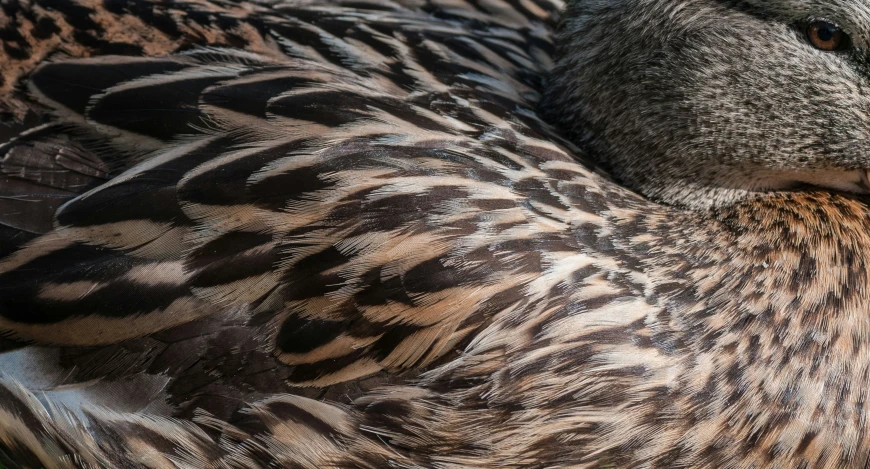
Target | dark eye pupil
(826,32)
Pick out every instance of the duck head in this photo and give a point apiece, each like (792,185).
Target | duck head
(705,103)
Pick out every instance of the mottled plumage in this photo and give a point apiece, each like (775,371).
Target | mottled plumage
(340,234)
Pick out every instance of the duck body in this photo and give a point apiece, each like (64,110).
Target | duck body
(308,235)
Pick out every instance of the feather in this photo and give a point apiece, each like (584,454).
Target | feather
(307,234)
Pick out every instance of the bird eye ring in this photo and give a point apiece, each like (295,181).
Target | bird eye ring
(826,36)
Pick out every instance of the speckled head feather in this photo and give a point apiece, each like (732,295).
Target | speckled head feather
(350,241)
(702,103)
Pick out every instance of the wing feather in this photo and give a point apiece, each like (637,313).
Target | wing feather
(368,204)
(378,201)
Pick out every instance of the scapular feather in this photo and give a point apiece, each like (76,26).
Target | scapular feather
(307,234)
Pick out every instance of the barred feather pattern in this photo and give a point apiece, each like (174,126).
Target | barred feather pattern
(364,249)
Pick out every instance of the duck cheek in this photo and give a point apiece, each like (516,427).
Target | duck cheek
(775,117)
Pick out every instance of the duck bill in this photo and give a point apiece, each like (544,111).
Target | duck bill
(865,179)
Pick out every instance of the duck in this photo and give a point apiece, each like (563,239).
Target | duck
(434,234)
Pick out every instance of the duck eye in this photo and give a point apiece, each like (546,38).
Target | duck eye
(826,36)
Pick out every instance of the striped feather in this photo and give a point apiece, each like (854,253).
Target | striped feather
(340,236)
(384,121)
